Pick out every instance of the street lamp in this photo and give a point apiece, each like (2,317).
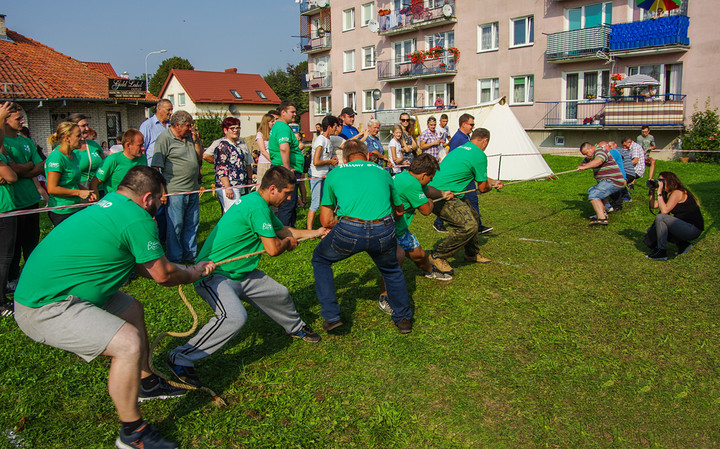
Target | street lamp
(146,72)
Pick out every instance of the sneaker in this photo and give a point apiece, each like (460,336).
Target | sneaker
(627,199)
(683,248)
(479,258)
(435,274)
(11,286)
(186,374)
(330,326)
(441,265)
(6,309)
(145,437)
(440,228)
(163,390)
(404,326)
(485,229)
(609,208)
(306,334)
(658,254)
(385,305)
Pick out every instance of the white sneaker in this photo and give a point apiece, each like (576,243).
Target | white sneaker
(384,305)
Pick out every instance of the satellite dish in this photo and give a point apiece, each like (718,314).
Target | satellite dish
(321,67)
(376,94)
(321,3)
(447,10)
(232,108)
(373,25)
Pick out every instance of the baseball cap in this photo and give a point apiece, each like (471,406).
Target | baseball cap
(348,111)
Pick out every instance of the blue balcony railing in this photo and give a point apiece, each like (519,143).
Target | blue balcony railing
(671,30)
(310,44)
(388,70)
(578,43)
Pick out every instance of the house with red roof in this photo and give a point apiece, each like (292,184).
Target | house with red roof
(50,86)
(204,94)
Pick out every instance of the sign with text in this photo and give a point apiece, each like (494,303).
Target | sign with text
(125,88)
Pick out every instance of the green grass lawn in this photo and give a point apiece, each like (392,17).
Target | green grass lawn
(576,340)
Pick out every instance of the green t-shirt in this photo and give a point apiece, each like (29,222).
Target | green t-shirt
(412,196)
(282,133)
(91,255)
(88,167)
(69,178)
(178,161)
(21,150)
(238,232)
(646,142)
(115,167)
(7,202)
(360,189)
(461,166)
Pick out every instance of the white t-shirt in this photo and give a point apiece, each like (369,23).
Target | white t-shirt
(327,152)
(337,141)
(394,152)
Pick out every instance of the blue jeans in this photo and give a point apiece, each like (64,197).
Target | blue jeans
(472,197)
(287,214)
(183,218)
(347,238)
(602,190)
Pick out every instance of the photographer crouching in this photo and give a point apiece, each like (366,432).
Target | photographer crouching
(686,222)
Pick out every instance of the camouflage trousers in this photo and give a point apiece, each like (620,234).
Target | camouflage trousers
(461,221)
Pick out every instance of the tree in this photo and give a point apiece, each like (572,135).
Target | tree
(158,79)
(288,86)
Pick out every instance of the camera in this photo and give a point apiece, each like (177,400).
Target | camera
(652,184)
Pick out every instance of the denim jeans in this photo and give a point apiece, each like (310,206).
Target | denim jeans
(287,214)
(8,231)
(183,217)
(667,228)
(347,238)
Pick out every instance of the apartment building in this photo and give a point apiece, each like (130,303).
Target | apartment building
(555,61)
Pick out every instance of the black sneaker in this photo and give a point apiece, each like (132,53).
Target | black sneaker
(404,326)
(439,228)
(306,334)
(186,374)
(162,390)
(683,247)
(145,437)
(485,229)
(7,308)
(11,286)
(658,254)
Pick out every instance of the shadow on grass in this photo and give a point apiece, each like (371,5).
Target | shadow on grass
(636,237)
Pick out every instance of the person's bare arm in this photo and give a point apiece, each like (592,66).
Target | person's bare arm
(327,217)
(7,175)
(275,246)
(169,274)
(53,178)
(672,201)
(596,162)
(261,146)
(285,155)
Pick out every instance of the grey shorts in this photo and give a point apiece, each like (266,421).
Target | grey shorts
(73,324)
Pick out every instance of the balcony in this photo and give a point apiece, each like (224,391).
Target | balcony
(578,45)
(416,17)
(407,70)
(659,111)
(315,82)
(316,44)
(661,35)
(310,7)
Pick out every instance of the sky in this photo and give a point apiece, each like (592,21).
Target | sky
(254,36)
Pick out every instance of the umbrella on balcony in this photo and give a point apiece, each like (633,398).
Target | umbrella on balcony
(637,81)
(658,6)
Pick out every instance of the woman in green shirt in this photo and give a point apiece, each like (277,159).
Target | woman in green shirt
(8,225)
(90,154)
(63,173)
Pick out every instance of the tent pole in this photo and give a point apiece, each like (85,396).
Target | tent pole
(499,162)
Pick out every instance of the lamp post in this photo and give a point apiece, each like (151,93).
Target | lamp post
(146,70)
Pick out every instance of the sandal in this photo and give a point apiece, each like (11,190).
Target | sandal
(599,221)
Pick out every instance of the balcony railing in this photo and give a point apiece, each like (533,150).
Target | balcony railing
(666,111)
(415,17)
(578,44)
(394,70)
(316,44)
(315,82)
(312,6)
(662,32)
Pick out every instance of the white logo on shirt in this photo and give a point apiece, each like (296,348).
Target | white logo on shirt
(103,203)
(267,226)
(54,165)
(152,246)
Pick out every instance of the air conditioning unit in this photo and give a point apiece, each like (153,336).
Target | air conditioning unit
(559,141)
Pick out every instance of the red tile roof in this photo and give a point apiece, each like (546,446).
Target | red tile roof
(214,87)
(31,70)
(104,67)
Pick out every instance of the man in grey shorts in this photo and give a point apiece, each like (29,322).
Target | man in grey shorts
(68,295)
(247,227)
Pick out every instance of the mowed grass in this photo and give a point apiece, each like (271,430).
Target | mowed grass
(570,338)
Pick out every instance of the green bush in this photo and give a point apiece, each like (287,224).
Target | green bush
(703,134)
(209,127)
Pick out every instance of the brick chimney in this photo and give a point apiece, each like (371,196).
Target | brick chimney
(3,28)
(231,70)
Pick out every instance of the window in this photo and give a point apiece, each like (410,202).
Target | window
(349,100)
(442,40)
(522,31)
(369,103)
(589,16)
(349,61)
(488,90)
(523,89)
(488,37)
(322,105)
(181,99)
(402,53)
(322,66)
(584,86)
(171,98)
(236,94)
(437,90)
(404,97)
(434,4)
(261,95)
(349,19)
(368,57)
(367,13)
(668,75)
(400,4)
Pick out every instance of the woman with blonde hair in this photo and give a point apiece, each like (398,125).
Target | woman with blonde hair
(63,173)
(261,139)
(90,155)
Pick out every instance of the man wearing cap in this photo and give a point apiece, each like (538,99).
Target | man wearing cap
(347,117)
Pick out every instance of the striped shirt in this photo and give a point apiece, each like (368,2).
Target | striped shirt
(609,168)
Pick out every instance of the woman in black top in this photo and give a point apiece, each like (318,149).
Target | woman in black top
(685,223)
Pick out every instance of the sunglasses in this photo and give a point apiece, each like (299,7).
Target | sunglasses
(404,119)
(471,124)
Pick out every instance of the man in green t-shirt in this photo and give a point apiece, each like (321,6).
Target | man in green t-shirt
(68,295)
(364,223)
(116,166)
(286,151)
(647,142)
(247,227)
(465,164)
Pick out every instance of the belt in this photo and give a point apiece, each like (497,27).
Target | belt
(387,220)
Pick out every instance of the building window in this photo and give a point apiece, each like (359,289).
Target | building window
(437,90)
(322,105)
(349,100)
(171,98)
(368,57)
(523,89)
(442,40)
(367,13)
(349,19)
(349,61)
(404,97)
(588,16)
(400,4)
(488,37)
(181,99)
(236,94)
(488,90)
(322,66)
(522,31)
(369,103)
(261,95)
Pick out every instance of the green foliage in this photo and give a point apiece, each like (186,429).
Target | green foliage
(209,127)
(287,84)
(703,134)
(158,79)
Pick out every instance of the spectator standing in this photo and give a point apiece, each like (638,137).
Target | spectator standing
(284,150)
(430,140)
(323,160)
(156,125)
(439,103)
(233,167)
(347,117)
(395,154)
(376,153)
(90,155)
(117,165)
(8,225)
(409,144)
(261,139)
(444,129)
(647,142)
